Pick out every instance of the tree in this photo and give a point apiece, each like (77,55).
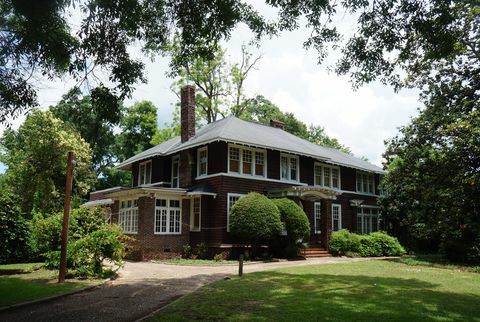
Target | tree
(36,157)
(138,127)
(255,218)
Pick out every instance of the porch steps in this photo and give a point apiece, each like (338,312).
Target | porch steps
(315,251)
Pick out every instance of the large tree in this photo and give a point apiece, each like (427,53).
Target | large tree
(36,157)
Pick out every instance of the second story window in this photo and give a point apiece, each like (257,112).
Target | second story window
(289,169)
(365,182)
(246,161)
(175,171)
(145,173)
(327,176)
(202,162)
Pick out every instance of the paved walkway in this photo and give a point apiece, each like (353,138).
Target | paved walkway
(141,288)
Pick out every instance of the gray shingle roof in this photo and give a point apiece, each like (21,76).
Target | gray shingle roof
(235,130)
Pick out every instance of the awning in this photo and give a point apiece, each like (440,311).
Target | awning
(201,189)
(96,203)
(310,193)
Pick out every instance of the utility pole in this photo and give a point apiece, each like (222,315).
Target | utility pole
(66,217)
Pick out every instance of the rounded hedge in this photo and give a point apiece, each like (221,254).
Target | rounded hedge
(255,218)
(295,219)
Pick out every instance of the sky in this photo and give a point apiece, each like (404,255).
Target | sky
(290,77)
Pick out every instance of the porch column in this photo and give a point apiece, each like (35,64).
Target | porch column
(146,213)
(326,220)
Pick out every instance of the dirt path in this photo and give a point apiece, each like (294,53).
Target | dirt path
(141,288)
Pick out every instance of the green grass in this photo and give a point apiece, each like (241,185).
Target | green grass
(199,262)
(357,291)
(433,260)
(27,282)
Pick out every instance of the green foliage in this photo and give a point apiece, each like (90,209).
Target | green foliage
(201,251)
(375,244)
(295,219)
(86,255)
(14,230)
(36,157)
(187,251)
(255,218)
(138,127)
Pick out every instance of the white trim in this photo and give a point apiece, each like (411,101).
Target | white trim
(253,151)
(176,158)
(236,175)
(339,216)
(140,176)
(240,195)
(192,207)
(167,219)
(289,158)
(198,161)
(328,166)
(317,230)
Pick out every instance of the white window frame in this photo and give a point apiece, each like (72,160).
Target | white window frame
(369,218)
(360,180)
(323,167)
(253,151)
(147,180)
(239,195)
(339,216)
(317,212)
(192,213)
(289,158)
(176,159)
(168,222)
(128,216)
(199,151)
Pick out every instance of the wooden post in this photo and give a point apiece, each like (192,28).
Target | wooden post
(66,218)
(240,265)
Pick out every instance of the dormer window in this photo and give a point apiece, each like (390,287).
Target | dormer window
(246,161)
(289,167)
(202,158)
(145,173)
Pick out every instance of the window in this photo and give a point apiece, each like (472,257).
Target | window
(168,216)
(202,161)
(317,209)
(195,214)
(232,198)
(327,176)
(175,171)
(368,220)
(336,217)
(246,161)
(128,216)
(365,182)
(145,173)
(289,167)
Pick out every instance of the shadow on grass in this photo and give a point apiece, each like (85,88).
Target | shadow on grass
(277,296)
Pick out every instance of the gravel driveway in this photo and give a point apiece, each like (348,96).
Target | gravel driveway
(141,288)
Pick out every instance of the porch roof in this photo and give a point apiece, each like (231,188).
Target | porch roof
(306,192)
(157,191)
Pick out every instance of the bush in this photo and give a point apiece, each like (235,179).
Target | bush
(255,218)
(187,251)
(201,251)
(376,244)
(295,219)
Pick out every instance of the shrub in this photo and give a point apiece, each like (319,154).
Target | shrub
(187,251)
(255,218)
(386,244)
(295,219)
(201,251)
(344,241)
(220,256)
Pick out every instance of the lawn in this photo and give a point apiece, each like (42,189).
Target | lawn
(361,291)
(197,262)
(26,282)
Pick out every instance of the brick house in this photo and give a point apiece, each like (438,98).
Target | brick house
(183,188)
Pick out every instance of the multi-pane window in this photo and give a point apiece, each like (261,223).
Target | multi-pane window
(289,167)
(195,214)
(145,173)
(317,210)
(168,216)
(336,217)
(246,161)
(175,171)
(327,176)
(368,220)
(232,198)
(202,161)
(365,182)
(128,216)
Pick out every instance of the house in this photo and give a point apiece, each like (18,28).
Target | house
(183,189)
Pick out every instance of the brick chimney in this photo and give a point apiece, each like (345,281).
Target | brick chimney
(277,124)
(187,112)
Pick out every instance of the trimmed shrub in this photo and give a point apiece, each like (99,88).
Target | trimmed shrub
(343,242)
(295,219)
(386,245)
(376,244)
(255,218)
